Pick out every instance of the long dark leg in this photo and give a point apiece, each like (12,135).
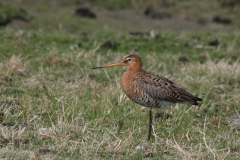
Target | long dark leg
(150,124)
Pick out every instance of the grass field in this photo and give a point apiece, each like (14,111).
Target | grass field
(54,106)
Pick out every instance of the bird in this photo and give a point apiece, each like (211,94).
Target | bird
(150,90)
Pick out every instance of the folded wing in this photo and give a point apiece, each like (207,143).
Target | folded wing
(161,88)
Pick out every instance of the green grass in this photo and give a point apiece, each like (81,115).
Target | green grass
(51,97)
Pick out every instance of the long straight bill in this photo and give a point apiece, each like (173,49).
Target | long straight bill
(111,65)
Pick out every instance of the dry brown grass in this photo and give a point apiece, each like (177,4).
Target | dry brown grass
(52,59)
(14,66)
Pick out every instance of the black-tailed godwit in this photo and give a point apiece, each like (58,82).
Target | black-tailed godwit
(150,90)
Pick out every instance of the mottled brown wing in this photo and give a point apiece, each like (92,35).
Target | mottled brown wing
(161,88)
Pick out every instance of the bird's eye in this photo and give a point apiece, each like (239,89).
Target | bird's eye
(129,59)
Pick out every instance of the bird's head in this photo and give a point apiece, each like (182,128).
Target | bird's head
(133,62)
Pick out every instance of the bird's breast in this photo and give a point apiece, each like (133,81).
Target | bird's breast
(127,85)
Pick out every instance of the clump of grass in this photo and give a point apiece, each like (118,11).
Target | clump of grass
(52,59)
(14,66)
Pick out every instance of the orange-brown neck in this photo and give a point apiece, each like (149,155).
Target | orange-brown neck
(134,70)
